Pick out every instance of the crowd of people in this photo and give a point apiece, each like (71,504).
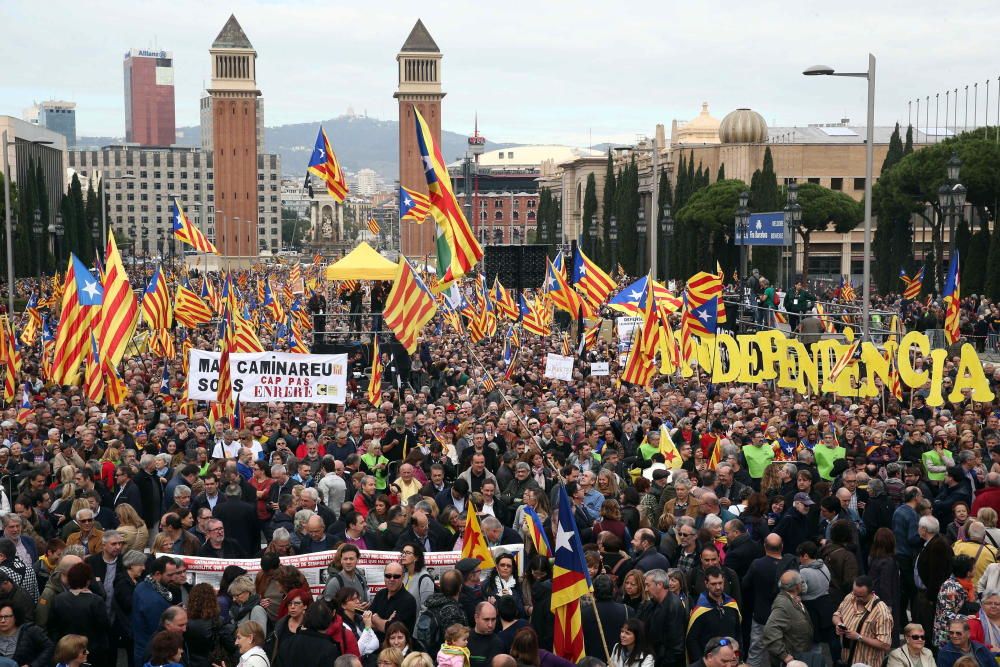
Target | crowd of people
(811,530)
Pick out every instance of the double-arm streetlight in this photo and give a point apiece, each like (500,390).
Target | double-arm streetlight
(613,237)
(793,218)
(640,228)
(951,198)
(823,70)
(742,226)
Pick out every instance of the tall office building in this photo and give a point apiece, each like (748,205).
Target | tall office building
(419,85)
(366,182)
(56,115)
(149,98)
(230,115)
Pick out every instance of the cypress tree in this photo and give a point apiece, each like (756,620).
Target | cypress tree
(962,239)
(593,247)
(544,200)
(992,282)
(974,275)
(608,209)
(765,197)
(721,176)
(663,197)
(895,152)
(908,147)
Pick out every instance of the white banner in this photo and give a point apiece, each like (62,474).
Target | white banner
(626,325)
(260,377)
(599,368)
(559,367)
(314,566)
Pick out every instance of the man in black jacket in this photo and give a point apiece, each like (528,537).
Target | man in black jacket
(613,616)
(127,491)
(760,587)
(483,641)
(240,519)
(665,614)
(150,491)
(218,545)
(741,551)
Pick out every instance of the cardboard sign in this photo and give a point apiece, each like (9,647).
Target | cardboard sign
(559,367)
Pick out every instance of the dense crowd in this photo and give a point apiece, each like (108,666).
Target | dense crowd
(852,531)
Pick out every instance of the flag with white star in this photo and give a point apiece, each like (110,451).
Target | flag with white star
(81,311)
(570,582)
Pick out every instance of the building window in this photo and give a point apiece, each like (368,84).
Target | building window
(498,203)
(498,216)
(516,215)
(836,184)
(483,203)
(531,215)
(789,181)
(814,181)
(859,183)
(484,216)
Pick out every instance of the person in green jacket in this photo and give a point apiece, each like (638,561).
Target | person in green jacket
(797,302)
(373,463)
(937,461)
(758,453)
(827,452)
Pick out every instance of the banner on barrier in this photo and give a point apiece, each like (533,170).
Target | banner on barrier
(260,377)
(315,566)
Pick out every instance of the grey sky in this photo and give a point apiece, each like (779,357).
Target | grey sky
(559,72)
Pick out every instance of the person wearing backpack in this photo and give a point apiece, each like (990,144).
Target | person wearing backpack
(349,575)
(440,611)
(417,581)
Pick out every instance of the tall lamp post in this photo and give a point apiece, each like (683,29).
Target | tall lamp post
(592,232)
(823,70)
(793,218)
(640,228)
(59,231)
(667,229)
(613,237)
(37,230)
(951,199)
(742,226)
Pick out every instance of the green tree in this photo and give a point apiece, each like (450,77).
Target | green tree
(593,247)
(627,210)
(890,225)
(721,176)
(606,212)
(765,197)
(992,283)
(908,146)
(294,228)
(707,217)
(820,208)
(963,236)
(975,263)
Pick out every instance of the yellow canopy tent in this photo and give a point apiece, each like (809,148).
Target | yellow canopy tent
(362,263)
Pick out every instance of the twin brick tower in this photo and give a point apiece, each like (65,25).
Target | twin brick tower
(232,130)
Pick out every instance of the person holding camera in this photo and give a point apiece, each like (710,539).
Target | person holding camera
(864,624)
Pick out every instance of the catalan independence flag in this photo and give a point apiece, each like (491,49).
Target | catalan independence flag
(474,543)
(570,582)
(590,280)
(185,232)
(323,164)
(413,206)
(952,300)
(156,302)
(81,312)
(189,309)
(536,530)
(462,250)
(409,305)
(912,286)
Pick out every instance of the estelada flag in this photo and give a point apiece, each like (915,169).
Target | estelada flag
(570,582)
(323,164)
(474,542)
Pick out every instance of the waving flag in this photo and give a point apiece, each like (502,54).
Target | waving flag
(119,309)
(81,312)
(210,296)
(705,300)
(563,296)
(94,373)
(413,206)
(323,164)
(373,226)
(375,382)
(590,280)
(48,347)
(13,363)
(702,317)
(952,300)
(570,582)
(164,389)
(536,530)
(32,320)
(639,367)
(156,302)
(912,286)
(185,232)
(224,394)
(474,542)
(504,301)
(460,245)
(671,456)
(271,304)
(189,309)
(24,410)
(847,292)
(409,306)
(845,360)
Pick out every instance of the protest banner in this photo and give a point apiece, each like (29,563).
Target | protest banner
(598,368)
(626,325)
(558,367)
(260,377)
(315,567)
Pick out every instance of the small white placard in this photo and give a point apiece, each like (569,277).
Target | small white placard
(559,367)
(600,368)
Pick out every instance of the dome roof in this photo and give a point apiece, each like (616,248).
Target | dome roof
(743,126)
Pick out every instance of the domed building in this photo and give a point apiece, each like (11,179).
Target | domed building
(743,126)
(702,129)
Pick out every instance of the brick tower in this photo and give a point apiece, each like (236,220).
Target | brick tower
(229,116)
(420,85)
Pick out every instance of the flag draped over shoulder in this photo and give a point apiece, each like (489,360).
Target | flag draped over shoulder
(570,582)
(460,242)
(81,312)
(323,164)
(119,309)
(409,306)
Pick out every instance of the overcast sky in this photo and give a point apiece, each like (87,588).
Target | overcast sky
(540,72)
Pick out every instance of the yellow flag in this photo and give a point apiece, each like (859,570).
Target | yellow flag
(671,456)
(474,542)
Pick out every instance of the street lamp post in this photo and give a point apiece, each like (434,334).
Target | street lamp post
(667,229)
(640,228)
(951,199)
(742,226)
(613,237)
(592,232)
(37,229)
(59,230)
(869,169)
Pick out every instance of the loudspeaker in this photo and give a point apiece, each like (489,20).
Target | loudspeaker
(516,265)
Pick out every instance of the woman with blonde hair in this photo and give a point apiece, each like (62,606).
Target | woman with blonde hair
(417,659)
(771,481)
(109,463)
(132,528)
(633,590)
(71,651)
(988,517)
(390,657)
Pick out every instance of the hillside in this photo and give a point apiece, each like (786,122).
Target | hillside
(359,142)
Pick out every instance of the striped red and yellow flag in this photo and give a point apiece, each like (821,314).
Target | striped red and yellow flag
(94,374)
(373,226)
(845,360)
(189,309)
(13,363)
(81,314)
(409,306)
(375,382)
(323,164)
(185,232)
(119,310)
(224,394)
(156,302)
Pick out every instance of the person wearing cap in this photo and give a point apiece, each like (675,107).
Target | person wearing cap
(398,441)
(471,593)
(67,456)
(796,526)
